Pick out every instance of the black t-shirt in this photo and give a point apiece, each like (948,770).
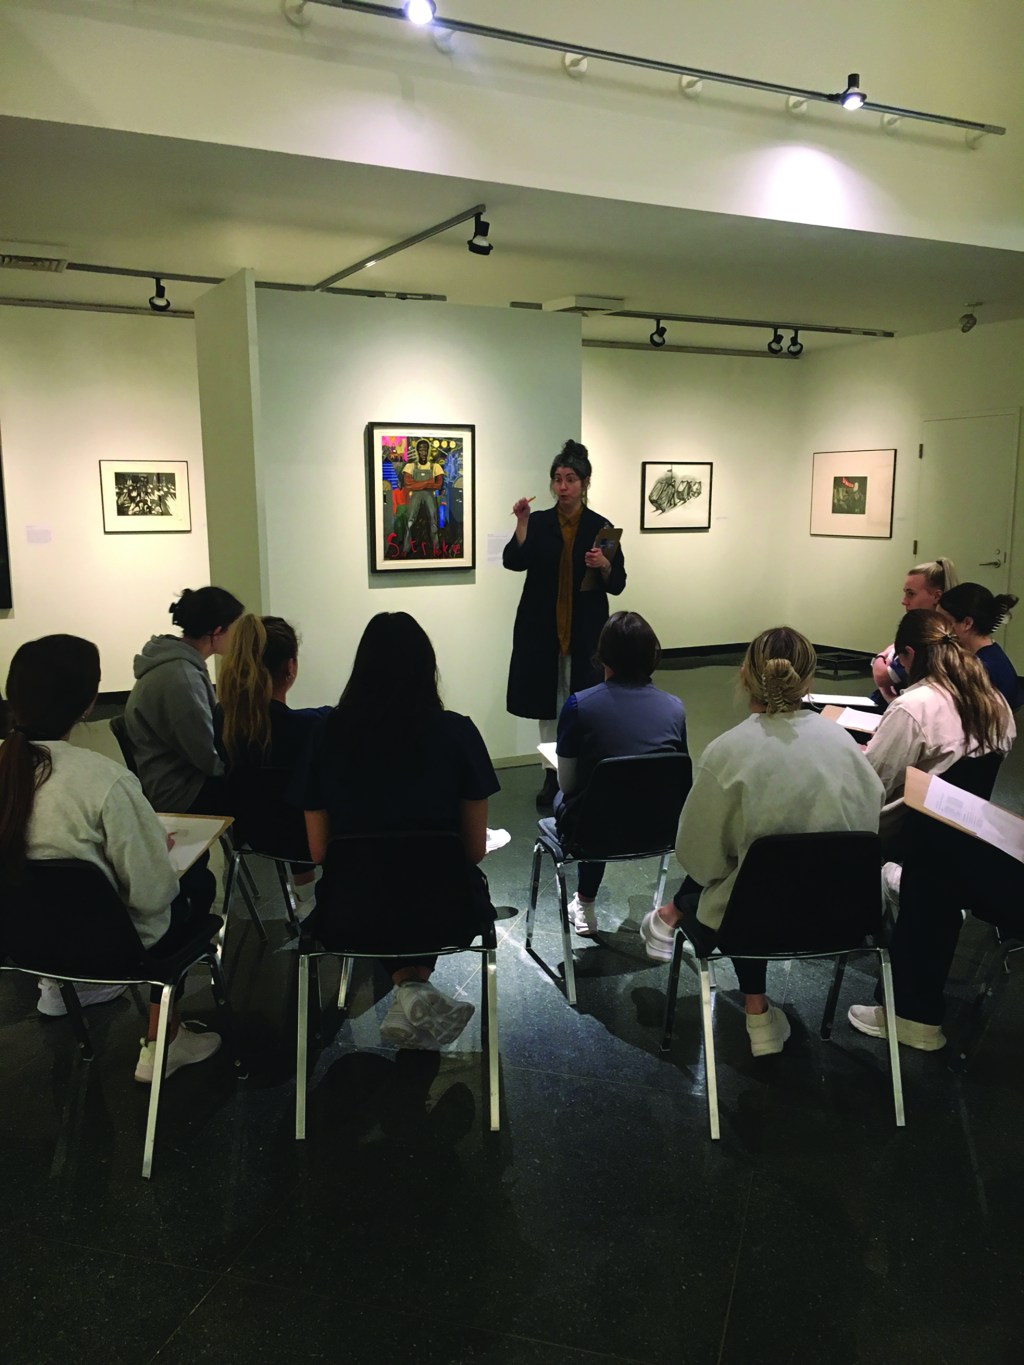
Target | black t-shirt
(447,764)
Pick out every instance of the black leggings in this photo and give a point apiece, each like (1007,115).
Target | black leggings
(197,890)
(751,972)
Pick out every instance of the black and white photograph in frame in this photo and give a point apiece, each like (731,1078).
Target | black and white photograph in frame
(145,496)
(420,483)
(675,496)
(852,493)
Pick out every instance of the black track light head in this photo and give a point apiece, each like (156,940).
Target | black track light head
(478,243)
(159,302)
(657,337)
(853,97)
(796,346)
(775,345)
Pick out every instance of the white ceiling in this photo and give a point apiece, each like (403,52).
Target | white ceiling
(158,204)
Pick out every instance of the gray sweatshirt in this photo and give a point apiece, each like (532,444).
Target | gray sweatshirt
(169,719)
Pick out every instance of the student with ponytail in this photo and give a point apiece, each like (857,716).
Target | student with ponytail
(976,615)
(58,800)
(783,770)
(922,588)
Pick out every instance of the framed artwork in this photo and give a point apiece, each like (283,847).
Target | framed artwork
(675,496)
(852,493)
(421,496)
(144,495)
(6,599)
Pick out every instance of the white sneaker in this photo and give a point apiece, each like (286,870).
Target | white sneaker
(891,874)
(582,916)
(424,1017)
(870,1019)
(184,1049)
(767,1032)
(658,937)
(51,1002)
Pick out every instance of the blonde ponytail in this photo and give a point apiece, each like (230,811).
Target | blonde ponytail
(244,689)
(777,669)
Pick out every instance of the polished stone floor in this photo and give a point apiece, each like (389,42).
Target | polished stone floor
(600,1224)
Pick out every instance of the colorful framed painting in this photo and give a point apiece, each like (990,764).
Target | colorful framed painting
(6,600)
(852,493)
(675,496)
(144,496)
(420,481)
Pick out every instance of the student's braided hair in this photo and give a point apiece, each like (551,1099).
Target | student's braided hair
(777,668)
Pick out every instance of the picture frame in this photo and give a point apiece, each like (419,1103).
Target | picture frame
(429,528)
(143,497)
(852,493)
(6,597)
(675,495)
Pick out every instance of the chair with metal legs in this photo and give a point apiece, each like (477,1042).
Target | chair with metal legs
(380,894)
(265,827)
(629,811)
(796,897)
(66,921)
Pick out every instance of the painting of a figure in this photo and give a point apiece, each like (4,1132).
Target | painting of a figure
(421,481)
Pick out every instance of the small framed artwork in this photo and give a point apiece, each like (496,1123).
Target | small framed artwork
(144,495)
(675,497)
(852,493)
(421,496)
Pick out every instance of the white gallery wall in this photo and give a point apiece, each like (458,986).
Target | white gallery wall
(77,388)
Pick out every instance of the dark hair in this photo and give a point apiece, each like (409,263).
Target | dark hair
(394,648)
(940,658)
(201,611)
(255,663)
(629,647)
(573,456)
(987,611)
(50,684)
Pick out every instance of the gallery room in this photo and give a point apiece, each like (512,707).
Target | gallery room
(767,265)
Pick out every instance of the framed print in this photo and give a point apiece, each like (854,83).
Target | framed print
(421,496)
(852,492)
(144,495)
(675,497)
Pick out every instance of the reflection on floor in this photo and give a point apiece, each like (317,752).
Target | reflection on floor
(599,1225)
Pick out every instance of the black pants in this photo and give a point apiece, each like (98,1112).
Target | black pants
(589,876)
(751,972)
(197,890)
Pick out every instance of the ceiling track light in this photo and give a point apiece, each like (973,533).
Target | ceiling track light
(420,12)
(796,346)
(581,51)
(159,302)
(853,97)
(969,320)
(478,243)
(775,345)
(657,337)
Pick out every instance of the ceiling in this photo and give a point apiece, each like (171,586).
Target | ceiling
(167,205)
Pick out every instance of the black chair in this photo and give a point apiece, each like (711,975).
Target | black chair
(66,921)
(265,827)
(628,811)
(797,896)
(379,891)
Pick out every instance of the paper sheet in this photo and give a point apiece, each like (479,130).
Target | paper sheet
(193,835)
(548,754)
(864,721)
(840,699)
(980,818)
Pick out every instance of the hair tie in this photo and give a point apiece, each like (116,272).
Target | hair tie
(950,638)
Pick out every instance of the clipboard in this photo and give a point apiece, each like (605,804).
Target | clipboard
(607,541)
(193,835)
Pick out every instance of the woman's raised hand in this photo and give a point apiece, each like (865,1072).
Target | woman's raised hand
(521,509)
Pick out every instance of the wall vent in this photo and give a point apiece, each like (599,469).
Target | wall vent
(11,260)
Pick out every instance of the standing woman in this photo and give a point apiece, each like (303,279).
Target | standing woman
(558,624)
(976,615)
(169,714)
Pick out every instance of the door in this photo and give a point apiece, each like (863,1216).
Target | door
(968,473)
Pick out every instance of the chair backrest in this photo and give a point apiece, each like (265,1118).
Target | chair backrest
(65,919)
(805,893)
(263,818)
(120,732)
(393,893)
(975,775)
(630,808)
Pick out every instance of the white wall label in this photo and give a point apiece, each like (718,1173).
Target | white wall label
(496,542)
(38,535)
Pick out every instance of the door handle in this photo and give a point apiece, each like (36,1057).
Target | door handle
(990,564)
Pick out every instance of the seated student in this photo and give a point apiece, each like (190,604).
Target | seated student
(255,727)
(367,773)
(61,801)
(169,714)
(976,615)
(625,714)
(783,770)
(922,588)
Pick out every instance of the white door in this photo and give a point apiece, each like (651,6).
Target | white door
(968,473)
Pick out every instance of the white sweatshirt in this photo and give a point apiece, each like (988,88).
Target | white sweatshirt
(93,809)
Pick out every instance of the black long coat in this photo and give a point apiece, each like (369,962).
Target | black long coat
(533,670)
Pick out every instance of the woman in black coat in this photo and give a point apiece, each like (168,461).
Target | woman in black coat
(557,625)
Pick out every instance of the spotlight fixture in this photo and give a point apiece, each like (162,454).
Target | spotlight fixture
(969,319)
(796,346)
(657,337)
(478,243)
(420,11)
(775,345)
(159,302)
(853,97)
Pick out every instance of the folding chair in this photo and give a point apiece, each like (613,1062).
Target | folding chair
(796,896)
(66,921)
(265,827)
(628,811)
(381,893)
